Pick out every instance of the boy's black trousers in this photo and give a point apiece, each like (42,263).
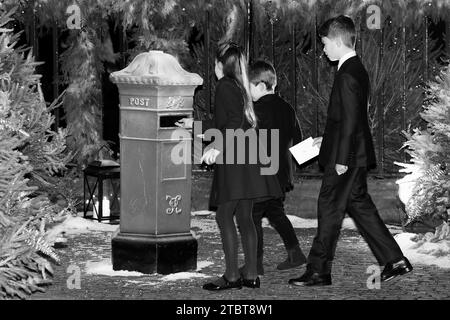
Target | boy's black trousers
(348,193)
(273,210)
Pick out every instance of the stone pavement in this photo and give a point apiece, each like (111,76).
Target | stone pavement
(353,257)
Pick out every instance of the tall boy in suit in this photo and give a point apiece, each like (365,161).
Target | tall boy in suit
(275,113)
(346,152)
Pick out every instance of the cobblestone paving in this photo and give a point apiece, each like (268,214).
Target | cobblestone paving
(353,257)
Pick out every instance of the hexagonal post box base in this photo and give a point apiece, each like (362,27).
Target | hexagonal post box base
(150,254)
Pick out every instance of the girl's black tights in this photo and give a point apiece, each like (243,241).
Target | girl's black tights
(242,209)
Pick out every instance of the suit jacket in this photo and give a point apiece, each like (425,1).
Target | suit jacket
(275,113)
(347,139)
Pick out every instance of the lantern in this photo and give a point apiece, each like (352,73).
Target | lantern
(102,193)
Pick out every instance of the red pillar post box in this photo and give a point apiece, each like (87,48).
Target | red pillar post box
(154,236)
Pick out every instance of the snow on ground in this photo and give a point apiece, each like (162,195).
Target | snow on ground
(209,225)
(423,251)
(417,251)
(189,275)
(77,225)
(297,222)
(141,283)
(202,213)
(105,268)
(184,276)
(203,264)
(300,223)
(348,224)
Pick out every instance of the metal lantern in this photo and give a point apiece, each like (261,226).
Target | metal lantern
(102,193)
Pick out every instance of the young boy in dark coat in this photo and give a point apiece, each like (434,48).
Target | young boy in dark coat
(275,113)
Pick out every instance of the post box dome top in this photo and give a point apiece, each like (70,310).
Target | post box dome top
(155,68)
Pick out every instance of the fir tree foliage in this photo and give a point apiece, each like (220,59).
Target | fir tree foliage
(28,149)
(82,66)
(428,170)
(81,63)
(82,101)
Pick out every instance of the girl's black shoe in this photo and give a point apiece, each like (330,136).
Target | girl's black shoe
(223,284)
(251,283)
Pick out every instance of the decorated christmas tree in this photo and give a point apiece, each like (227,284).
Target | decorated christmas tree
(29,151)
(425,190)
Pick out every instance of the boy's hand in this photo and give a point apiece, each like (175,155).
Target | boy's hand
(341,169)
(317,142)
(185,123)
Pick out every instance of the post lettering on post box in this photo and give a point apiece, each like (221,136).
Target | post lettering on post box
(139,102)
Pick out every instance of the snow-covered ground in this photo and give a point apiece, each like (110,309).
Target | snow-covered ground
(184,276)
(300,223)
(423,251)
(209,225)
(418,249)
(104,267)
(78,225)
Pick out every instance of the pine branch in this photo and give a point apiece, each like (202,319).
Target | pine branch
(27,147)
(430,151)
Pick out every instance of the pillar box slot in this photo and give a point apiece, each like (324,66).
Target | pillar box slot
(168,121)
(155,207)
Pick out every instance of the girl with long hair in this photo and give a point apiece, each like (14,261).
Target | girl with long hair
(236,185)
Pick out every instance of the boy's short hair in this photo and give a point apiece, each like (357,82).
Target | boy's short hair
(340,26)
(263,71)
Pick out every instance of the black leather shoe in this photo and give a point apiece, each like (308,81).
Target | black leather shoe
(317,280)
(392,270)
(301,280)
(223,284)
(311,280)
(251,283)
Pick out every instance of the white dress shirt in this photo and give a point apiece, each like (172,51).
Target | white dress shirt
(345,57)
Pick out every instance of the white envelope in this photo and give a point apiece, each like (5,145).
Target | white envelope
(304,151)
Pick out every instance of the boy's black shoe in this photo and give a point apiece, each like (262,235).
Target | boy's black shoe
(301,280)
(392,270)
(317,280)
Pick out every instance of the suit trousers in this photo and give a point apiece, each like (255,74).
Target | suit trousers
(273,210)
(342,194)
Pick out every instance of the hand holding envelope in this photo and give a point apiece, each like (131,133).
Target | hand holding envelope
(317,142)
(306,150)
